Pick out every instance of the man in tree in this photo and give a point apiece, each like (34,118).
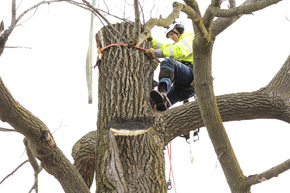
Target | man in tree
(176,69)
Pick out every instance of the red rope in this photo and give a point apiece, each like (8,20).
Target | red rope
(122,45)
(126,46)
(171,170)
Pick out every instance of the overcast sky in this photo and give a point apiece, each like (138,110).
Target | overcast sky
(49,80)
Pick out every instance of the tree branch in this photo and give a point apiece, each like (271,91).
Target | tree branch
(208,19)
(17,47)
(4,34)
(81,5)
(233,107)
(279,85)
(137,20)
(244,9)
(53,160)
(32,160)
(13,171)
(13,21)
(145,34)
(267,175)
(232,3)
(266,103)
(201,33)
(30,9)
(177,7)
(31,156)
(115,31)
(3,38)
(221,24)
(9,130)
(194,5)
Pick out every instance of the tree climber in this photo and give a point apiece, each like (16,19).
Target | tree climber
(176,70)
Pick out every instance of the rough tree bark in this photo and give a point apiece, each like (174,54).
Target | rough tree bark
(126,163)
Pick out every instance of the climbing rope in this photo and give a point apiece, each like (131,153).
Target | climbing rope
(126,45)
(112,45)
(169,186)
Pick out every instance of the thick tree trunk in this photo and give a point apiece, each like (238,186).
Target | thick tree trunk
(126,163)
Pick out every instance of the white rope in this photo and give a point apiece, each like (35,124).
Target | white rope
(191,146)
(89,59)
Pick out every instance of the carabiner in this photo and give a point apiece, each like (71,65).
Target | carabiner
(169,186)
(195,135)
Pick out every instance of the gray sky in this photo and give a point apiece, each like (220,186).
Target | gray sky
(49,80)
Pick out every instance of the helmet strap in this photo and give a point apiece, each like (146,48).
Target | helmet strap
(177,33)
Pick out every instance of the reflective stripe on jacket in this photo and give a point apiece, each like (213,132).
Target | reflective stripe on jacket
(181,50)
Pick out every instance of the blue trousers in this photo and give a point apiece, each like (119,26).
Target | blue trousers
(183,76)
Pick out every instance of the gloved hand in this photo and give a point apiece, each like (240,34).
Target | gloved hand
(151,53)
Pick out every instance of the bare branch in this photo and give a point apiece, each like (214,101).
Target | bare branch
(39,135)
(35,7)
(152,9)
(13,13)
(208,16)
(4,34)
(17,47)
(88,8)
(124,8)
(61,125)
(31,156)
(35,185)
(3,37)
(194,5)
(33,163)
(221,24)
(19,4)
(106,5)
(246,9)
(142,11)
(137,20)
(115,31)
(14,171)
(9,130)
(1,27)
(273,172)
(81,5)
(177,7)
(198,24)
(232,3)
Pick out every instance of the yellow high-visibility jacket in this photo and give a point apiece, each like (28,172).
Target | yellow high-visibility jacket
(181,50)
